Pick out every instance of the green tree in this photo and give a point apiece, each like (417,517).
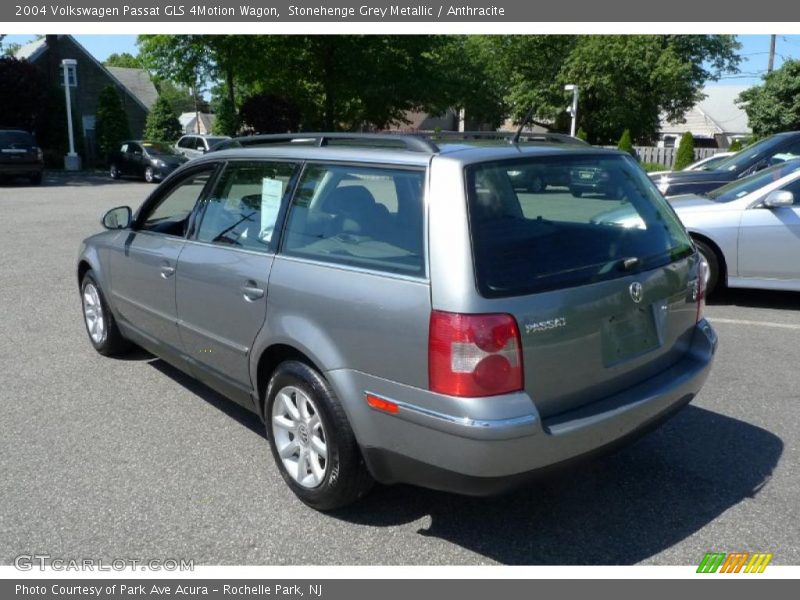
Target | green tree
(625,144)
(112,122)
(735,146)
(124,59)
(162,123)
(774,106)
(581,134)
(226,119)
(179,97)
(685,154)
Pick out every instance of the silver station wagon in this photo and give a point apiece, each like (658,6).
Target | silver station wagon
(401,312)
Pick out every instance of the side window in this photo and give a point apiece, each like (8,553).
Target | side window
(124,148)
(243,209)
(183,142)
(790,152)
(170,214)
(360,216)
(134,148)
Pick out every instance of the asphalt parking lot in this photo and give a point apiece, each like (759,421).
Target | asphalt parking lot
(132,459)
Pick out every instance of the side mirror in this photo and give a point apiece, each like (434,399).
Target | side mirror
(778,198)
(117,218)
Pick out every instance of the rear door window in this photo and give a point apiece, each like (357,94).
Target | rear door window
(360,216)
(10,139)
(544,223)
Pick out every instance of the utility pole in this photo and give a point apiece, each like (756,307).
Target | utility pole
(771,62)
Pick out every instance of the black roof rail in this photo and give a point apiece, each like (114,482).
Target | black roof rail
(413,143)
(530,136)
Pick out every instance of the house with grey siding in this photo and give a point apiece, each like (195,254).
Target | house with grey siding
(90,77)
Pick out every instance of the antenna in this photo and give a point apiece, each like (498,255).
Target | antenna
(515,139)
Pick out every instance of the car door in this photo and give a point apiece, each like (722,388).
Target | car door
(223,271)
(143,269)
(132,162)
(769,240)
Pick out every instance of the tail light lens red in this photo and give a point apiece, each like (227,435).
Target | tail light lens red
(702,275)
(474,355)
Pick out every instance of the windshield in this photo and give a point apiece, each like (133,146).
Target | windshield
(158,148)
(709,165)
(742,187)
(543,223)
(742,160)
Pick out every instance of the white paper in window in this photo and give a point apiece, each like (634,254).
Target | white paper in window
(271,194)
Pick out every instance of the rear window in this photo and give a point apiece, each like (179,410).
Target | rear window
(545,223)
(8,138)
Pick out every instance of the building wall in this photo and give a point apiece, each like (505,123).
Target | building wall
(92,79)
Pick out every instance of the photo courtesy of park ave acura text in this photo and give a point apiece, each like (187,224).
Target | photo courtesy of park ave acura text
(399,299)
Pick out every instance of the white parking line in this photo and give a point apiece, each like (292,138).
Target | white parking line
(761,323)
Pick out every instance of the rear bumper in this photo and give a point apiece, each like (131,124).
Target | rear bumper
(21,169)
(504,442)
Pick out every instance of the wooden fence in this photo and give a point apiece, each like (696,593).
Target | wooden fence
(666,156)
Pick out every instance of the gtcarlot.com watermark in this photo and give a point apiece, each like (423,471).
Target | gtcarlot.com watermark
(42,562)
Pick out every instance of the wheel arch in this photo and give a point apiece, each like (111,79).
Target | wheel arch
(723,263)
(268,361)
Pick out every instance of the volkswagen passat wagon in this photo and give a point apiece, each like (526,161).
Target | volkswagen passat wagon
(407,313)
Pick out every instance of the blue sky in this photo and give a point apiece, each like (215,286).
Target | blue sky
(754,51)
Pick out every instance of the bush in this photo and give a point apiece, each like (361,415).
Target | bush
(626,144)
(735,146)
(112,122)
(685,155)
(226,121)
(162,123)
(651,166)
(582,135)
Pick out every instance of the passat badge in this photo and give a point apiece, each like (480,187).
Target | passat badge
(636,292)
(547,325)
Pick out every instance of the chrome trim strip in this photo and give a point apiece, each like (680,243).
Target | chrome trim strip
(342,267)
(479,429)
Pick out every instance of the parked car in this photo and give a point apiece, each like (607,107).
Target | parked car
(747,232)
(704,164)
(402,313)
(20,156)
(767,152)
(152,161)
(195,145)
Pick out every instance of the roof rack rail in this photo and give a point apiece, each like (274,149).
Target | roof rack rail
(413,143)
(530,136)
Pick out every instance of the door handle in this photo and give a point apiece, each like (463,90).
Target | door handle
(167,271)
(251,291)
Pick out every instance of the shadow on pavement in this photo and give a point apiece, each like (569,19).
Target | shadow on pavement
(618,509)
(756,299)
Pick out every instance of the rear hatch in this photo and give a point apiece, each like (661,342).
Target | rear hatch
(18,147)
(601,283)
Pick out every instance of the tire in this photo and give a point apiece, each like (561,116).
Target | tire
(149,175)
(535,185)
(712,260)
(36,179)
(576,192)
(306,422)
(105,336)
(114,172)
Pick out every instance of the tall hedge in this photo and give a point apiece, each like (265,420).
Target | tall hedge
(626,143)
(112,122)
(685,155)
(162,123)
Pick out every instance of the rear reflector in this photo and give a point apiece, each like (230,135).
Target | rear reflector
(474,355)
(381,404)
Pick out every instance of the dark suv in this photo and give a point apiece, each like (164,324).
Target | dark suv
(20,156)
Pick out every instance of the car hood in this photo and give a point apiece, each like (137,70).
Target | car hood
(690,201)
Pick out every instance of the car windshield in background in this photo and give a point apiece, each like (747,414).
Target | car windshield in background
(742,187)
(158,148)
(213,141)
(557,233)
(10,138)
(741,160)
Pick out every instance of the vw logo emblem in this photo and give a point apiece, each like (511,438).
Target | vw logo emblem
(636,292)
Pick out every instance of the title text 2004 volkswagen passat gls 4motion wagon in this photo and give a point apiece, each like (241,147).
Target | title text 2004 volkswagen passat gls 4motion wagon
(406,314)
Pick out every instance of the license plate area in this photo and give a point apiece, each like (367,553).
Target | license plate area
(628,335)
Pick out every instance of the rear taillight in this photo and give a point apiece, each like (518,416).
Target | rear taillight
(702,276)
(474,355)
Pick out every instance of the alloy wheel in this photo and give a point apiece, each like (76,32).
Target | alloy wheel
(93,314)
(299,436)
